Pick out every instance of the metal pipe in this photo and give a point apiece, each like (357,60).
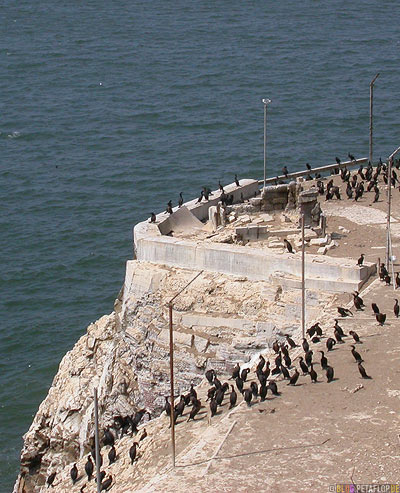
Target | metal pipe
(265,102)
(171,363)
(371,104)
(303,282)
(96,438)
(171,370)
(321,169)
(389,205)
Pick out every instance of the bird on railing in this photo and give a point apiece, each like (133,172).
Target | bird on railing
(180,201)
(237,181)
(351,157)
(285,171)
(308,166)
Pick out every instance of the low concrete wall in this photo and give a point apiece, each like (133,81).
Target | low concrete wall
(200,210)
(252,263)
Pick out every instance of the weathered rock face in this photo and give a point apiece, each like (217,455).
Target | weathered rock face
(218,321)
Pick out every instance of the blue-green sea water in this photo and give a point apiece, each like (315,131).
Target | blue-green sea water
(110,109)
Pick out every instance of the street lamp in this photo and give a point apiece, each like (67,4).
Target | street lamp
(389,209)
(371,102)
(266,103)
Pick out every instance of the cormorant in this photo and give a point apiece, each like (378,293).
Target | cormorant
(51,478)
(324,361)
(285,372)
(355,336)
(356,355)
(236,371)
(344,312)
(74,473)
(291,342)
(362,371)
(308,357)
(329,373)
(180,201)
(195,409)
(288,245)
(248,395)
(89,468)
(201,197)
(285,171)
(396,308)
(239,384)
(375,308)
(361,260)
(106,484)
(351,157)
(237,181)
(273,388)
(305,345)
(112,455)
(303,366)
(294,377)
(232,398)
(330,343)
(132,451)
(153,218)
(380,318)
(313,374)
(244,373)
(210,374)
(263,392)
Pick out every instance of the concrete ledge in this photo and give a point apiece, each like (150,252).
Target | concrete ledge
(257,264)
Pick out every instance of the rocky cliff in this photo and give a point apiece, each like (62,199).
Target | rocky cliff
(218,321)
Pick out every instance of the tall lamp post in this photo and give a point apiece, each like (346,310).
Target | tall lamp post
(371,105)
(389,208)
(266,103)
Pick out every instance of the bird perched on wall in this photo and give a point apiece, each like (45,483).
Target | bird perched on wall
(351,157)
(237,181)
(220,186)
(360,261)
(308,166)
(285,171)
(180,201)
(169,208)
(201,197)
(153,217)
(337,160)
(288,245)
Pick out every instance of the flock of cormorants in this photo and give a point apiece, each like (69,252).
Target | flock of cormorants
(283,361)
(122,424)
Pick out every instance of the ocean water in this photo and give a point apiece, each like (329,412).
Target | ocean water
(110,109)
